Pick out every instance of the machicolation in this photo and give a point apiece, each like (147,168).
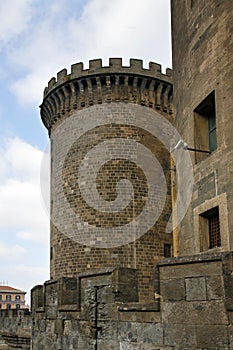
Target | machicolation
(99,84)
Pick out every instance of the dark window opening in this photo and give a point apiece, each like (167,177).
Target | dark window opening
(205,127)
(214,230)
(167,250)
(213,227)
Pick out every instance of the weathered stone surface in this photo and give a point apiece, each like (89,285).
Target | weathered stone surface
(195,313)
(214,336)
(214,286)
(173,289)
(191,270)
(180,336)
(195,288)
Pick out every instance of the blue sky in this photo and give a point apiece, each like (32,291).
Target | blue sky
(37,39)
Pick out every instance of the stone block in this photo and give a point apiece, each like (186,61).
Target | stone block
(180,335)
(129,346)
(86,343)
(214,287)
(59,326)
(212,337)
(172,289)
(107,330)
(67,291)
(194,313)
(108,344)
(106,295)
(140,316)
(125,285)
(150,333)
(195,288)
(37,297)
(191,270)
(128,331)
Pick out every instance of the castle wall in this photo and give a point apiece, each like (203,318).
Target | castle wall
(202,64)
(192,308)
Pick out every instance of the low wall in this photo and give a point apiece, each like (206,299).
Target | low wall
(15,329)
(99,310)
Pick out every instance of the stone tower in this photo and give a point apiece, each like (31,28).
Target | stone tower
(100,121)
(203,67)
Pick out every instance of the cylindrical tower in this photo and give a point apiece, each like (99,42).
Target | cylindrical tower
(203,84)
(110,167)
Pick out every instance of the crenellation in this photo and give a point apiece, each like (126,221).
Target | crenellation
(136,64)
(76,69)
(95,65)
(155,67)
(169,72)
(51,83)
(115,65)
(83,88)
(62,76)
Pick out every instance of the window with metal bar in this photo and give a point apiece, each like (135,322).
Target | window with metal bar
(214,230)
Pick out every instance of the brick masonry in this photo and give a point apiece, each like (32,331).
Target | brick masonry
(110,108)
(202,63)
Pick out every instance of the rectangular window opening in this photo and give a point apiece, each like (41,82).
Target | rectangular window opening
(167,250)
(211,227)
(214,230)
(205,127)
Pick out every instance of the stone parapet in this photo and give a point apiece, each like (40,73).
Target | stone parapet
(99,84)
(192,297)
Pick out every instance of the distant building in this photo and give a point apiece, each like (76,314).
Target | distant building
(11,298)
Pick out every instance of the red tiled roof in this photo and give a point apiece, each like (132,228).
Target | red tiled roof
(10,289)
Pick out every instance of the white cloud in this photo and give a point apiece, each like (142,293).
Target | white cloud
(24,225)
(14,18)
(32,271)
(104,29)
(21,160)
(11,251)
(21,208)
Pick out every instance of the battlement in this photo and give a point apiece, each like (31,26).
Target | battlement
(115,66)
(100,84)
(65,293)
